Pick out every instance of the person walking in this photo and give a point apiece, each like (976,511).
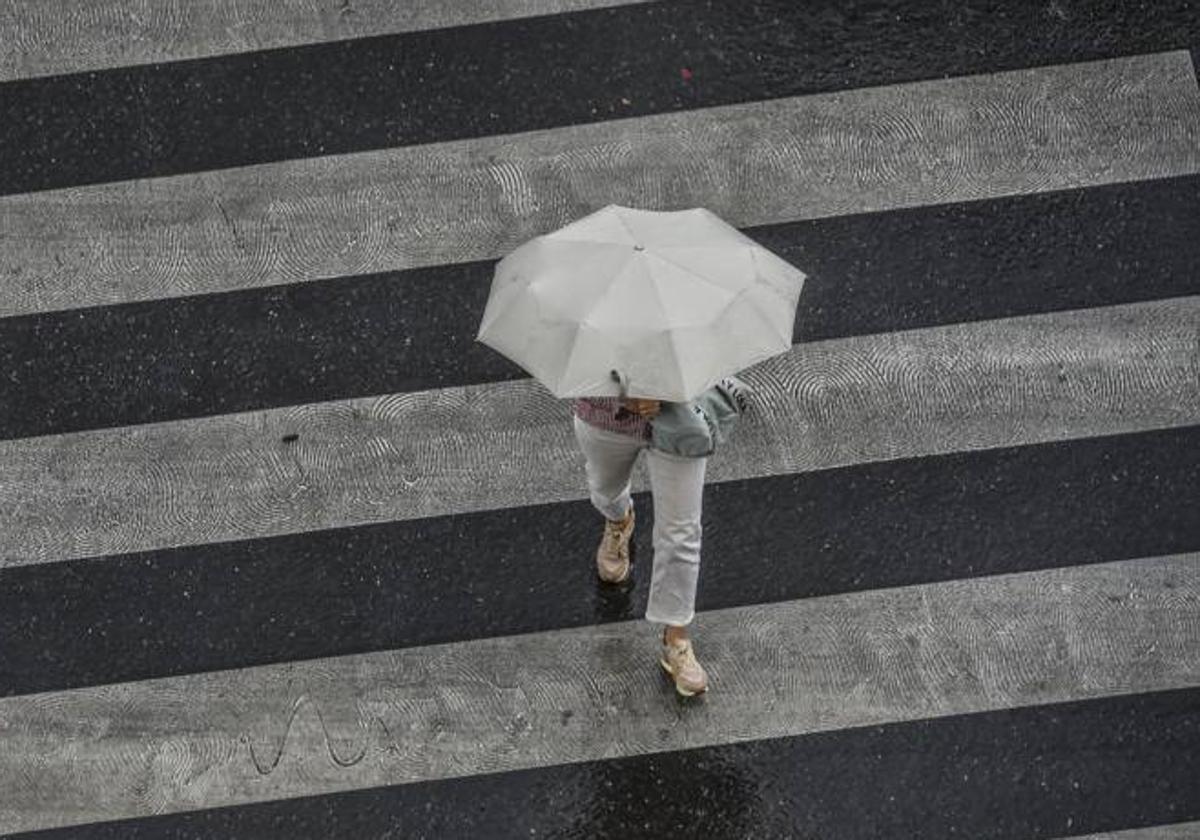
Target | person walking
(655,303)
(612,431)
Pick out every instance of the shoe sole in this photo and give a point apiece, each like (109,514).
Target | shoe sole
(618,581)
(678,687)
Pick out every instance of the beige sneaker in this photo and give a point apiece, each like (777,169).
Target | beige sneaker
(679,660)
(612,557)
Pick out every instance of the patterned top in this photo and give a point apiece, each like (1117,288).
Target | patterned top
(602,413)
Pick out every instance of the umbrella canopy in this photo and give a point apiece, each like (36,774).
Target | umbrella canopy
(670,300)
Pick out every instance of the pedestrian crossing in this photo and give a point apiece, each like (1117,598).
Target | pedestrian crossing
(586,68)
(387,333)
(508,703)
(284,553)
(456,201)
(52,37)
(454,451)
(1182,831)
(409,582)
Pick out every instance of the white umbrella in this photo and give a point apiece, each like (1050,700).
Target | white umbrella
(672,301)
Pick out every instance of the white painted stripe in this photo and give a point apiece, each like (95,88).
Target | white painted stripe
(963,387)
(1176,831)
(48,37)
(764,162)
(499,704)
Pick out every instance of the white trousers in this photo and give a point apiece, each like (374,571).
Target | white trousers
(677,486)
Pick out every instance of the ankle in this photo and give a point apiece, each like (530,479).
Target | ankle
(671,633)
(623,520)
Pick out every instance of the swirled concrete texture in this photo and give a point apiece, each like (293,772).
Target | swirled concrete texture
(404,456)
(47,37)
(499,704)
(959,139)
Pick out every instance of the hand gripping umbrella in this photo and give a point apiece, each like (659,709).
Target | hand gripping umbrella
(640,303)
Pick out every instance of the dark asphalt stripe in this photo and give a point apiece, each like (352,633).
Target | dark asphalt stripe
(592,693)
(532,73)
(453,578)
(1035,772)
(1066,126)
(961,387)
(47,37)
(350,337)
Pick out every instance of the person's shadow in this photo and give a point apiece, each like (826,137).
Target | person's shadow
(690,793)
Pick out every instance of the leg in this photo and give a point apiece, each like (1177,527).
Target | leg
(609,457)
(678,489)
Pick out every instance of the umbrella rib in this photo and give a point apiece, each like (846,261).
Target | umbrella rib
(497,313)
(612,281)
(595,242)
(634,236)
(571,356)
(753,305)
(662,304)
(771,288)
(691,271)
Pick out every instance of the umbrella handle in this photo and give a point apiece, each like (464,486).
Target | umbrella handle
(621,381)
(622,411)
